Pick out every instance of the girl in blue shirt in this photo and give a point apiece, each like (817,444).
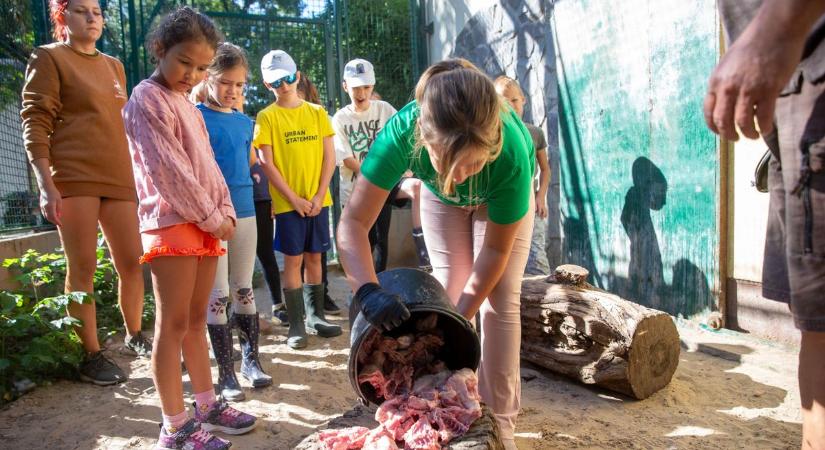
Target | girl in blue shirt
(230,133)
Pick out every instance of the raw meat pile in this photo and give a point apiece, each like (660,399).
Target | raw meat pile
(425,405)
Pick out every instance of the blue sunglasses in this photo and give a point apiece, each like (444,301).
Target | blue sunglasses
(289,79)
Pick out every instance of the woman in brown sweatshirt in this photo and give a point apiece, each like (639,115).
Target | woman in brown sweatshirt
(75,140)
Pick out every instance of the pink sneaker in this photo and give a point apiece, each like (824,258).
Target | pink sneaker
(224,418)
(190,437)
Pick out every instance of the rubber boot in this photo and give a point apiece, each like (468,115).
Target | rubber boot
(228,386)
(294,301)
(421,250)
(248,332)
(314,303)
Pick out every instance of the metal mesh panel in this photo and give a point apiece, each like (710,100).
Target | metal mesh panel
(384,32)
(305,41)
(18,193)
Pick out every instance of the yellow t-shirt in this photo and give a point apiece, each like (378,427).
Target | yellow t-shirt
(297,139)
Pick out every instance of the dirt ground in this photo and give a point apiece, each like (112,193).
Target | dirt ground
(730,391)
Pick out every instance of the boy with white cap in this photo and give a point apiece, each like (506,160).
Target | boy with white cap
(294,139)
(356,126)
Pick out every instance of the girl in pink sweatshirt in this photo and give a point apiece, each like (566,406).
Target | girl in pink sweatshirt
(185,211)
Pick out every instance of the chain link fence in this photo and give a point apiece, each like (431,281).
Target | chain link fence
(18,191)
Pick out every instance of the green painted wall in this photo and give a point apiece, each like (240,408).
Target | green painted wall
(639,169)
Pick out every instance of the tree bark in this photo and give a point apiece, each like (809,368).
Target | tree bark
(593,336)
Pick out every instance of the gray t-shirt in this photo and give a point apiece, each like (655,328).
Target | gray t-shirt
(539,142)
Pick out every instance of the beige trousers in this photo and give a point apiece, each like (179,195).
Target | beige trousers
(454,237)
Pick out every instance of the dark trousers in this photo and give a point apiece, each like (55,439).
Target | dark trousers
(379,238)
(266,255)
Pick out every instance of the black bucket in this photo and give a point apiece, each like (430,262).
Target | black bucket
(423,295)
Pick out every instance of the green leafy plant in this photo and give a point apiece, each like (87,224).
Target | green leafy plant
(36,338)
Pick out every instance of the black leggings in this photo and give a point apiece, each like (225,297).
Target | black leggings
(379,236)
(266,255)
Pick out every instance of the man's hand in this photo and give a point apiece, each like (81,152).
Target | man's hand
(748,79)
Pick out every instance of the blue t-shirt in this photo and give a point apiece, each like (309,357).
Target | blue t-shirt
(231,137)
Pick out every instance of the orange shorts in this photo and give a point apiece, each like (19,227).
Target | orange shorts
(185,239)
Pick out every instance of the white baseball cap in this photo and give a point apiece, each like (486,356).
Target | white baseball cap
(359,72)
(277,64)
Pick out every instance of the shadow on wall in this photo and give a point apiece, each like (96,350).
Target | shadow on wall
(648,193)
(645,283)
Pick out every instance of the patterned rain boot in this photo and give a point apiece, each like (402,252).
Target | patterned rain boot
(228,386)
(248,332)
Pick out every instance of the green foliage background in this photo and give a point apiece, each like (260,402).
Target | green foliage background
(36,338)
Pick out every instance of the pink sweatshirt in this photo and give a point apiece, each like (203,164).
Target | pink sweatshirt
(176,175)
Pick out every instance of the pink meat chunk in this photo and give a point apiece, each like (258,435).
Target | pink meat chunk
(421,436)
(344,439)
(425,404)
(379,439)
(374,376)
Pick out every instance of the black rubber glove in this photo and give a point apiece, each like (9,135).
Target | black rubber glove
(384,310)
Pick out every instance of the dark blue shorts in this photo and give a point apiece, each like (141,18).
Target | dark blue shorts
(296,235)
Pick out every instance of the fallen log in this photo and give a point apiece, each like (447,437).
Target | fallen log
(593,336)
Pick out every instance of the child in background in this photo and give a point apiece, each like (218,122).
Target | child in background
(356,126)
(308,92)
(294,139)
(230,134)
(185,211)
(537,261)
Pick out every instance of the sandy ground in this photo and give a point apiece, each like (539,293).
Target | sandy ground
(730,391)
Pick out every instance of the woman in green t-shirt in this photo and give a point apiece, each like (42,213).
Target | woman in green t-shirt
(476,159)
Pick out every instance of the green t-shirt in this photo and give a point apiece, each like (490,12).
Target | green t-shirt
(504,185)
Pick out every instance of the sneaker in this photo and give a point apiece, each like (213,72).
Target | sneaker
(190,436)
(224,418)
(330,307)
(139,344)
(100,370)
(279,315)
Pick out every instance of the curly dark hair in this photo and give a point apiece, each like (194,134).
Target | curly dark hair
(184,24)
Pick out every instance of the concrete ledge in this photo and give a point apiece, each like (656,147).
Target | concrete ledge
(15,245)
